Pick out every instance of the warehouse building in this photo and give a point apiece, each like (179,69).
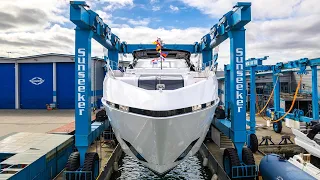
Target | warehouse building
(34,82)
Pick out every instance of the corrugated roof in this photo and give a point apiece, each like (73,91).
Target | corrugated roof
(43,55)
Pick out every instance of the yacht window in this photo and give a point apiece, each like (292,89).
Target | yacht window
(147,82)
(169,82)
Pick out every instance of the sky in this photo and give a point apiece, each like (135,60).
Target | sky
(281,29)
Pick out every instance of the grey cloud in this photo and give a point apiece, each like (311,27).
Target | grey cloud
(4,26)
(63,39)
(33,43)
(24,17)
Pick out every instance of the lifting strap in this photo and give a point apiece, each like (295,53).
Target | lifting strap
(271,95)
(293,101)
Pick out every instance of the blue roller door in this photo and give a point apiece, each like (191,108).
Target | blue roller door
(36,88)
(7,85)
(65,85)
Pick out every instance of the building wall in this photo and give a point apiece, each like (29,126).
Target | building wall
(306,85)
(97,76)
(262,80)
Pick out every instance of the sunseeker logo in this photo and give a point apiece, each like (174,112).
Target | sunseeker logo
(239,78)
(81,80)
(37,80)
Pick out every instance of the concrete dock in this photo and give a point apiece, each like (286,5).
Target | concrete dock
(37,121)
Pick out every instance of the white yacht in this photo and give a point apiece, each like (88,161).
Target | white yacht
(160,111)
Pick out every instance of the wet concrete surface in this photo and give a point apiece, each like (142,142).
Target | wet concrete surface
(262,130)
(40,121)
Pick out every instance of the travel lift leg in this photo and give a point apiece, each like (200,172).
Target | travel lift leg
(253,65)
(315,100)
(237,159)
(252,140)
(277,126)
(83,91)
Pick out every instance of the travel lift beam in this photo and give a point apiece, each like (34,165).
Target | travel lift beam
(90,25)
(297,115)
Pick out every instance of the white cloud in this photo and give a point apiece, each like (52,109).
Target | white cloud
(282,29)
(154,1)
(142,22)
(156,8)
(174,8)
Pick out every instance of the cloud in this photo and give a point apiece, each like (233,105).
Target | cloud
(156,8)
(174,8)
(142,22)
(111,5)
(154,1)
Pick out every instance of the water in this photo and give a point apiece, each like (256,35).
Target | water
(191,168)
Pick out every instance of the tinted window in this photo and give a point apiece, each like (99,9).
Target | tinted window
(170,82)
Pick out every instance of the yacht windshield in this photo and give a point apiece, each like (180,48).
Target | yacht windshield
(145,54)
(150,59)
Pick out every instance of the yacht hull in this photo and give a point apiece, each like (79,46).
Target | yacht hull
(160,143)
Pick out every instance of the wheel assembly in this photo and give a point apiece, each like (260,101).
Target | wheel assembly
(230,160)
(91,166)
(277,126)
(220,113)
(248,159)
(253,143)
(73,164)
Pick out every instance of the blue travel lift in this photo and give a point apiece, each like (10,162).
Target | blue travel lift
(238,162)
(276,114)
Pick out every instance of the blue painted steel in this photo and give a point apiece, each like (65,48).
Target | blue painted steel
(223,125)
(238,89)
(36,86)
(65,85)
(114,59)
(233,20)
(132,47)
(271,167)
(249,171)
(227,89)
(315,99)
(7,86)
(252,102)
(276,85)
(47,166)
(83,91)
(301,64)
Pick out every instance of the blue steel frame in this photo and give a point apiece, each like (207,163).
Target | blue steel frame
(231,25)
(301,64)
(90,25)
(252,65)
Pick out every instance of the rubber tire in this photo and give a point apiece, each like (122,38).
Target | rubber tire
(277,126)
(233,160)
(220,113)
(314,131)
(89,165)
(254,144)
(248,159)
(101,116)
(73,164)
